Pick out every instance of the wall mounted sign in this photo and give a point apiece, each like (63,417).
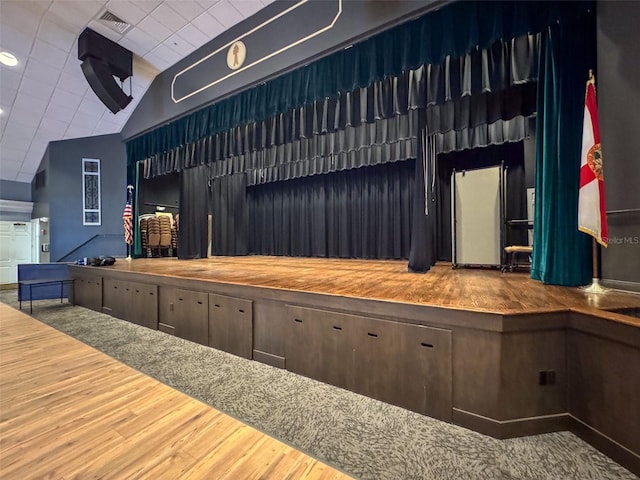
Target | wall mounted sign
(297,24)
(236,55)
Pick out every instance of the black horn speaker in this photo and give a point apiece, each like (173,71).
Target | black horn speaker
(102,60)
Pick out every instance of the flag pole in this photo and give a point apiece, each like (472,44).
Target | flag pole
(595,286)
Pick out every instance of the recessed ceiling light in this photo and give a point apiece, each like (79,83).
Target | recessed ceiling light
(8,59)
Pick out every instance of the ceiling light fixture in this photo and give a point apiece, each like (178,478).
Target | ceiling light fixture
(8,59)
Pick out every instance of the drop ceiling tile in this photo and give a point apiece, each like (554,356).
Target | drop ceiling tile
(225,13)
(148,5)
(49,55)
(57,35)
(92,107)
(130,12)
(207,3)
(7,97)
(157,61)
(167,54)
(247,7)
(187,9)
(10,78)
(207,24)
(12,154)
(66,99)
(193,35)
(25,100)
(179,45)
(74,82)
(106,126)
(78,132)
(19,133)
(27,117)
(36,88)
(169,17)
(16,41)
(15,13)
(60,112)
(51,125)
(154,28)
(138,41)
(9,170)
(39,71)
(82,120)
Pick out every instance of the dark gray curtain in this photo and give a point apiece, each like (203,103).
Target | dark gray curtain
(192,230)
(360,213)
(230,216)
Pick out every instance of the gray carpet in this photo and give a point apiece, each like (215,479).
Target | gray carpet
(365,438)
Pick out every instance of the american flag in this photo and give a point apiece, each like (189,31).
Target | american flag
(127,220)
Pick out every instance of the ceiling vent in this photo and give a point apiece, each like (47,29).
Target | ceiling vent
(114,22)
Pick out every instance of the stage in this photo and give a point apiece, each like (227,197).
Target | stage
(492,351)
(481,290)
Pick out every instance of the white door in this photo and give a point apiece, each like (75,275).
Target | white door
(15,248)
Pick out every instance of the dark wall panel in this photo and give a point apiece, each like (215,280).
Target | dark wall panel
(618,106)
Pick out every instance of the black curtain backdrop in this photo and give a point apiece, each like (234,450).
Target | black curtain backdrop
(194,203)
(422,253)
(230,215)
(512,156)
(360,213)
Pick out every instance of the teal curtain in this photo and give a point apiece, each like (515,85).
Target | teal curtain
(454,30)
(561,254)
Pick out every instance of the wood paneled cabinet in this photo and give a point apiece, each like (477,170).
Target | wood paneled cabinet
(144,304)
(185,314)
(398,363)
(87,292)
(131,301)
(231,325)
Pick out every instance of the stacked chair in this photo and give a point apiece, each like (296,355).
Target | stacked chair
(158,235)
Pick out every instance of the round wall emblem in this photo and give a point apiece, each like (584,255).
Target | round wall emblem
(594,160)
(236,55)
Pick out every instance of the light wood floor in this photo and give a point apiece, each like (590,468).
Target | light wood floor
(463,288)
(68,411)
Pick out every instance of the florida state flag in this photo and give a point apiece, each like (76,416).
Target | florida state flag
(592,216)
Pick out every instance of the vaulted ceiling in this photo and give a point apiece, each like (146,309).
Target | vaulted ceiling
(46,97)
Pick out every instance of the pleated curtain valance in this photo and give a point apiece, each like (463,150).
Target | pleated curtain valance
(371,125)
(453,31)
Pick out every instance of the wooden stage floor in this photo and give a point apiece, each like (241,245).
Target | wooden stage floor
(70,411)
(483,290)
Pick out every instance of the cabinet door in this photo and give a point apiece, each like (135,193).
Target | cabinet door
(191,316)
(319,345)
(231,325)
(88,292)
(116,298)
(144,309)
(405,365)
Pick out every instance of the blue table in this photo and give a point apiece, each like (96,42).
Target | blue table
(41,283)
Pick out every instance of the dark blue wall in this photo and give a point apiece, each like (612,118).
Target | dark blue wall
(64,192)
(40,196)
(18,191)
